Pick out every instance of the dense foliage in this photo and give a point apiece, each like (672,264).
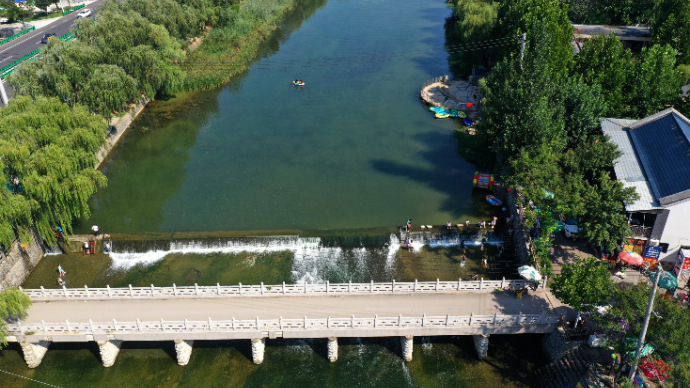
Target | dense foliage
(13,305)
(48,155)
(584,285)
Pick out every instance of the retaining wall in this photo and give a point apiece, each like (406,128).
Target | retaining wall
(16,266)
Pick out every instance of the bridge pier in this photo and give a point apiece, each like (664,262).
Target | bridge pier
(258,346)
(406,343)
(109,351)
(184,351)
(34,352)
(481,345)
(332,349)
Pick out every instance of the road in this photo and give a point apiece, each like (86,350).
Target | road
(362,306)
(11,51)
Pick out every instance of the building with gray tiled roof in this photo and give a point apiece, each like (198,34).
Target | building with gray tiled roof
(655,161)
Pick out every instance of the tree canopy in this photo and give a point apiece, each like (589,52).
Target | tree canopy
(48,156)
(13,305)
(583,285)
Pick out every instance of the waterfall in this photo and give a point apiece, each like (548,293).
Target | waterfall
(315,259)
(313,262)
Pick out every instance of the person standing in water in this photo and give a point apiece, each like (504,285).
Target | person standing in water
(95,230)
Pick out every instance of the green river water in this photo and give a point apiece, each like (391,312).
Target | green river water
(352,149)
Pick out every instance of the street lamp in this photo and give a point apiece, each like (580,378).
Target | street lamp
(643,333)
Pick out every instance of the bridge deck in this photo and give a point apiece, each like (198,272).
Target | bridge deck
(341,306)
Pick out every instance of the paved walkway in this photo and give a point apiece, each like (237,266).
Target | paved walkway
(362,306)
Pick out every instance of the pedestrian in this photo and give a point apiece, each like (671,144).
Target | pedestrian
(449,225)
(467,223)
(484,224)
(95,230)
(485,263)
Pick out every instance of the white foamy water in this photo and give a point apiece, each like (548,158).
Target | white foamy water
(311,264)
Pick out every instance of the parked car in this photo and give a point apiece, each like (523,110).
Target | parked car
(47,37)
(84,13)
(570,228)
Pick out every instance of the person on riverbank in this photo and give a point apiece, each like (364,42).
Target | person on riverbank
(485,263)
(61,271)
(449,226)
(86,247)
(463,261)
(108,248)
(493,222)
(95,230)
(467,223)
(408,224)
(61,282)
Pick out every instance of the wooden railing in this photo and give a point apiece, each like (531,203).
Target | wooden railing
(196,291)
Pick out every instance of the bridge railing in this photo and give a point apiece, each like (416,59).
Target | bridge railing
(209,325)
(197,291)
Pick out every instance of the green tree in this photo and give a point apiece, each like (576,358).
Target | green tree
(43,4)
(49,149)
(583,107)
(13,305)
(541,19)
(475,19)
(604,223)
(604,62)
(13,12)
(583,285)
(625,12)
(108,89)
(657,81)
(671,25)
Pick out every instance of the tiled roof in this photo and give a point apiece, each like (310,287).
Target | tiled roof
(663,147)
(627,166)
(655,157)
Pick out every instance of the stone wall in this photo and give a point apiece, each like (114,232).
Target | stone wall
(16,266)
(522,242)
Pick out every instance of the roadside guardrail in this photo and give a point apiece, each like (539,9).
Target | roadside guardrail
(73,9)
(15,36)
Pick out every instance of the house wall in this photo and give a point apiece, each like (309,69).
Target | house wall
(677,230)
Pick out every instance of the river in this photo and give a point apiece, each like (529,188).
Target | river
(354,148)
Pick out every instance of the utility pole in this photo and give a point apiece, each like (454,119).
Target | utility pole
(3,93)
(643,333)
(522,48)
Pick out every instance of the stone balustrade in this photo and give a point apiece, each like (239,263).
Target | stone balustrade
(35,338)
(283,325)
(196,291)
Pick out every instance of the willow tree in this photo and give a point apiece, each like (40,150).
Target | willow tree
(13,305)
(47,154)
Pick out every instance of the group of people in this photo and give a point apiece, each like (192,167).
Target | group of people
(482,224)
(298,82)
(61,274)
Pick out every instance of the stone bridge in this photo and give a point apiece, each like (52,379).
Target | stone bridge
(110,316)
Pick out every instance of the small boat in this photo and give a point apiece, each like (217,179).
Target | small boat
(442,115)
(493,200)
(298,83)
(467,122)
(461,114)
(436,108)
